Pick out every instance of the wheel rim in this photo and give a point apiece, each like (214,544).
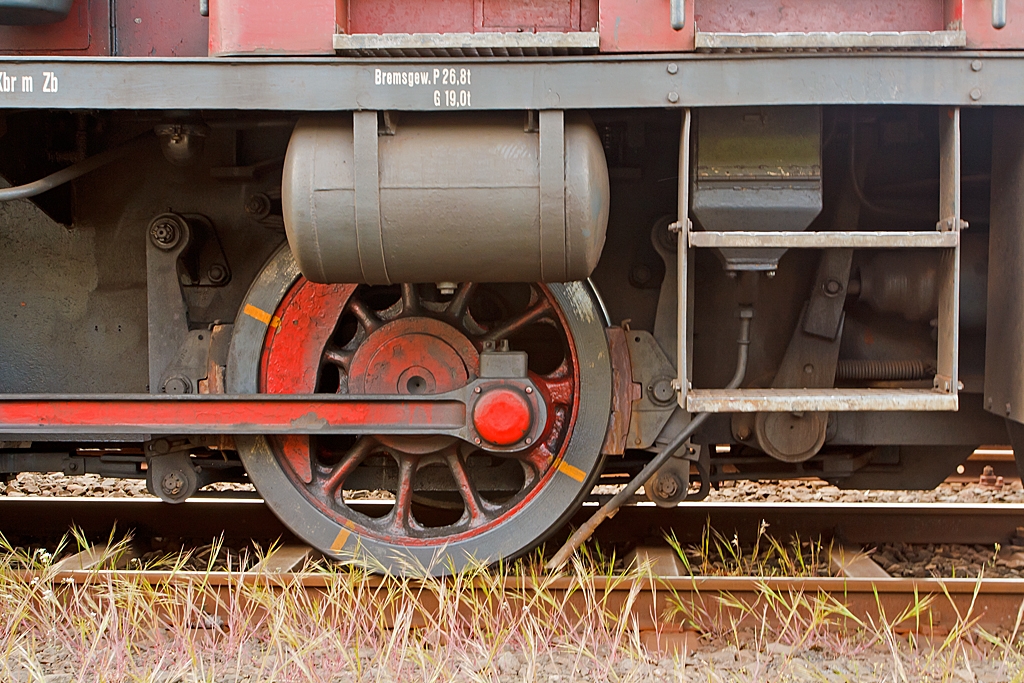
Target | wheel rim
(449,500)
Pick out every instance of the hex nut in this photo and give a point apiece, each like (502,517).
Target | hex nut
(258,206)
(177,385)
(166,231)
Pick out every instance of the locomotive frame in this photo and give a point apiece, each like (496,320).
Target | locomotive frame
(656,362)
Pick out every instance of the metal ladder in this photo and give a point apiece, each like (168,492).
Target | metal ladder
(941,397)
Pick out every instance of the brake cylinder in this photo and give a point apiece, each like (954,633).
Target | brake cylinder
(454,197)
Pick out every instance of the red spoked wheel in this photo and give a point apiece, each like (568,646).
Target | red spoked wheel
(440,501)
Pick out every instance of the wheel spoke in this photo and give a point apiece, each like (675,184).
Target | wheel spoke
(402,514)
(539,458)
(475,508)
(410,300)
(351,460)
(367,318)
(457,306)
(339,357)
(538,311)
(559,390)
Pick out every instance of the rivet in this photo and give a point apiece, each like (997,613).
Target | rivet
(476,440)
(976,94)
(529,390)
(673,68)
(673,97)
(476,390)
(528,441)
(976,65)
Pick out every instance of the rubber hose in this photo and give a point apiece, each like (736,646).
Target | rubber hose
(66,175)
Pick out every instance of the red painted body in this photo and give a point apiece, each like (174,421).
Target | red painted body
(978,24)
(466,16)
(272,27)
(776,16)
(170,28)
(86,31)
(174,28)
(643,26)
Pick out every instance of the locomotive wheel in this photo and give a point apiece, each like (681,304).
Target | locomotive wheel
(446,502)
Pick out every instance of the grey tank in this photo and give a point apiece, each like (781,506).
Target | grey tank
(486,197)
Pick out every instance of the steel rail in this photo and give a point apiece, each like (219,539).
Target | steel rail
(652,603)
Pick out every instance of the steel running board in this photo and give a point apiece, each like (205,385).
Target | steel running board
(799,400)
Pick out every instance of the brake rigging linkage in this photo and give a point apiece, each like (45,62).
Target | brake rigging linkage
(608,510)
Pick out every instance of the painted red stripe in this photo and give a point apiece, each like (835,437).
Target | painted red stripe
(249,415)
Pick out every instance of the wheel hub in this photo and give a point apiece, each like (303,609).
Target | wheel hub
(415,355)
(502,416)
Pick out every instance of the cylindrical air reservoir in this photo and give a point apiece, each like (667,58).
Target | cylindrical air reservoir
(452,197)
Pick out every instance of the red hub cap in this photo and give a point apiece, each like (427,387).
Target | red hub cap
(502,417)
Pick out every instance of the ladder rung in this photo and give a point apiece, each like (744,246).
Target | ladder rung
(822,240)
(798,400)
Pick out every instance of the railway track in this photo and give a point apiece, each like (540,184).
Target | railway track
(662,601)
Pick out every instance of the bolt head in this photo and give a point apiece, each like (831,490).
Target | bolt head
(172,483)
(258,206)
(666,486)
(976,65)
(673,97)
(165,232)
(218,273)
(975,94)
(672,68)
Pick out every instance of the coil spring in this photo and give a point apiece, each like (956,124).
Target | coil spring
(884,370)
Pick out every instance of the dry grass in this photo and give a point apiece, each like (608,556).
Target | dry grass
(509,623)
(717,555)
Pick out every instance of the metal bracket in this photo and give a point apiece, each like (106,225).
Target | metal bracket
(168,237)
(653,372)
(552,195)
(366,167)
